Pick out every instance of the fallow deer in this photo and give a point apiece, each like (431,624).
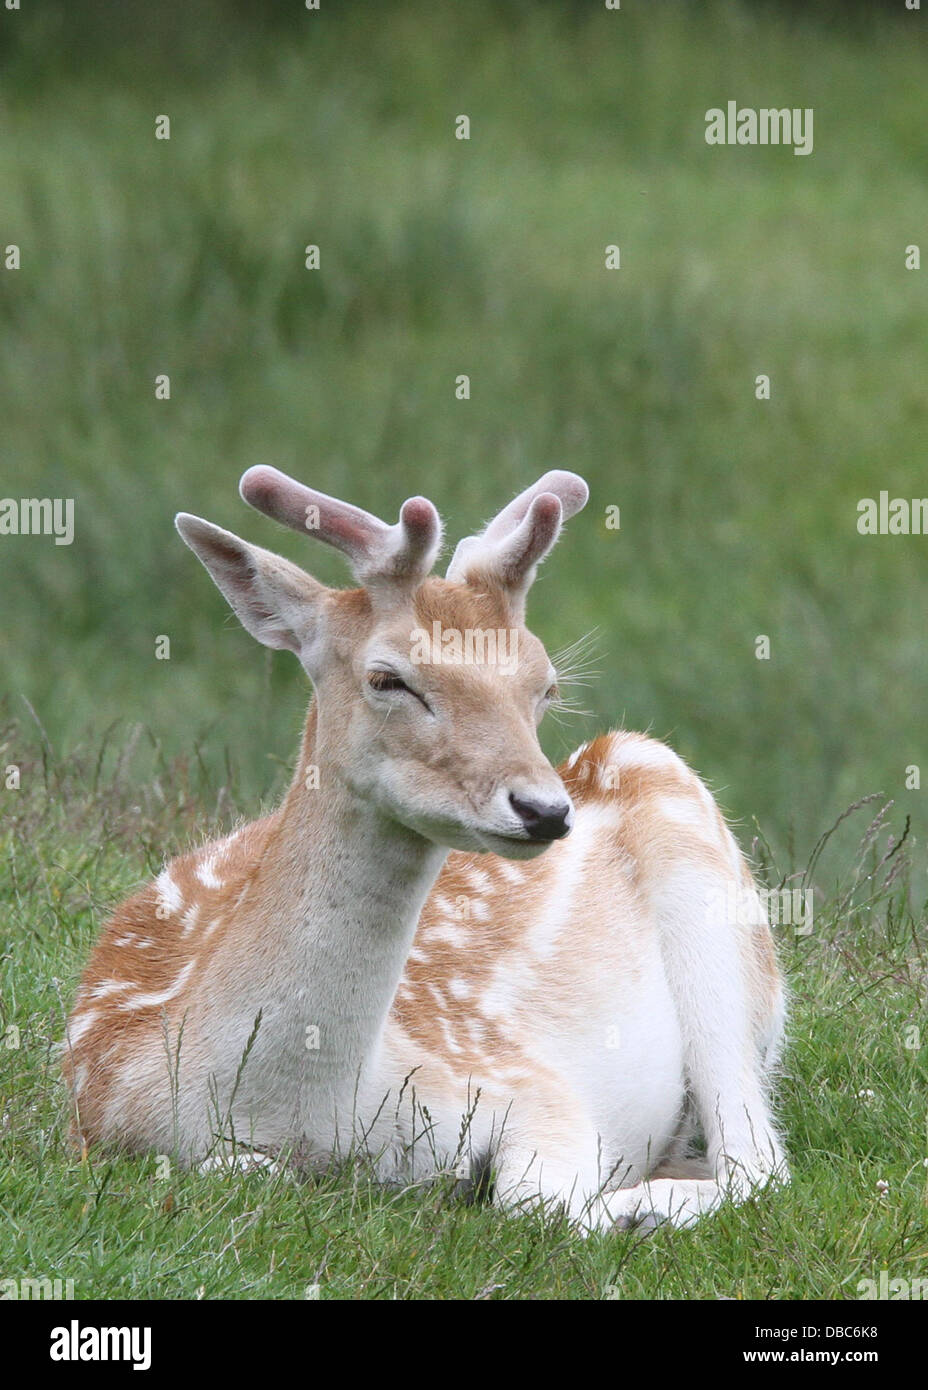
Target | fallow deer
(566,1010)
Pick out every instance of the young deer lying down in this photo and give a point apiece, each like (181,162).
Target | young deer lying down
(557,1013)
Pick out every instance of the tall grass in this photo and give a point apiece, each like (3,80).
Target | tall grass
(439,257)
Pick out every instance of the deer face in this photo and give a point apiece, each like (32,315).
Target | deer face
(445,698)
(429,690)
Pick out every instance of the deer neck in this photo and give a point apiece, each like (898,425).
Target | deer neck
(344,885)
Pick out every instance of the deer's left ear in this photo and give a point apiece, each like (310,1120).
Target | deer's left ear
(274,600)
(508,551)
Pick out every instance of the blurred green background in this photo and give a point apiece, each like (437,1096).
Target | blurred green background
(485,257)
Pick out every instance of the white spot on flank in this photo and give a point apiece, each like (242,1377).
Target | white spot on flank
(206,874)
(442,905)
(148,1001)
(647,753)
(682,810)
(77,1027)
(510,871)
(126,940)
(449,1037)
(479,880)
(170,899)
(606,778)
(459,988)
(477,1030)
(108,987)
(513,981)
(577,753)
(455,936)
(229,840)
(189,919)
(417,955)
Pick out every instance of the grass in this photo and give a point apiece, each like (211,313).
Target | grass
(441,256)
(852,1103)
(738,519)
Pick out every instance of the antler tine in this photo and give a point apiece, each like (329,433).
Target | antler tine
(521,548)
(569,488)
(526,528)
(374,549)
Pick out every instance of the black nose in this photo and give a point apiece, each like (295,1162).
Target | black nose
(544,820)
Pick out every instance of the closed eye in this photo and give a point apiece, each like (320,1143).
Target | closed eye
(385,681)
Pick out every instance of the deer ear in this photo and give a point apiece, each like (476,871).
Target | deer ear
(277,602)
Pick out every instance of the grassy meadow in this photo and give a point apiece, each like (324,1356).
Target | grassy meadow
(853,1108)
(484,257)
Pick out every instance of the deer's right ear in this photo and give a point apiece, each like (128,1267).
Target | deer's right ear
(275,601)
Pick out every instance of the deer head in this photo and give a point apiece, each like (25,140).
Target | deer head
(429,691)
